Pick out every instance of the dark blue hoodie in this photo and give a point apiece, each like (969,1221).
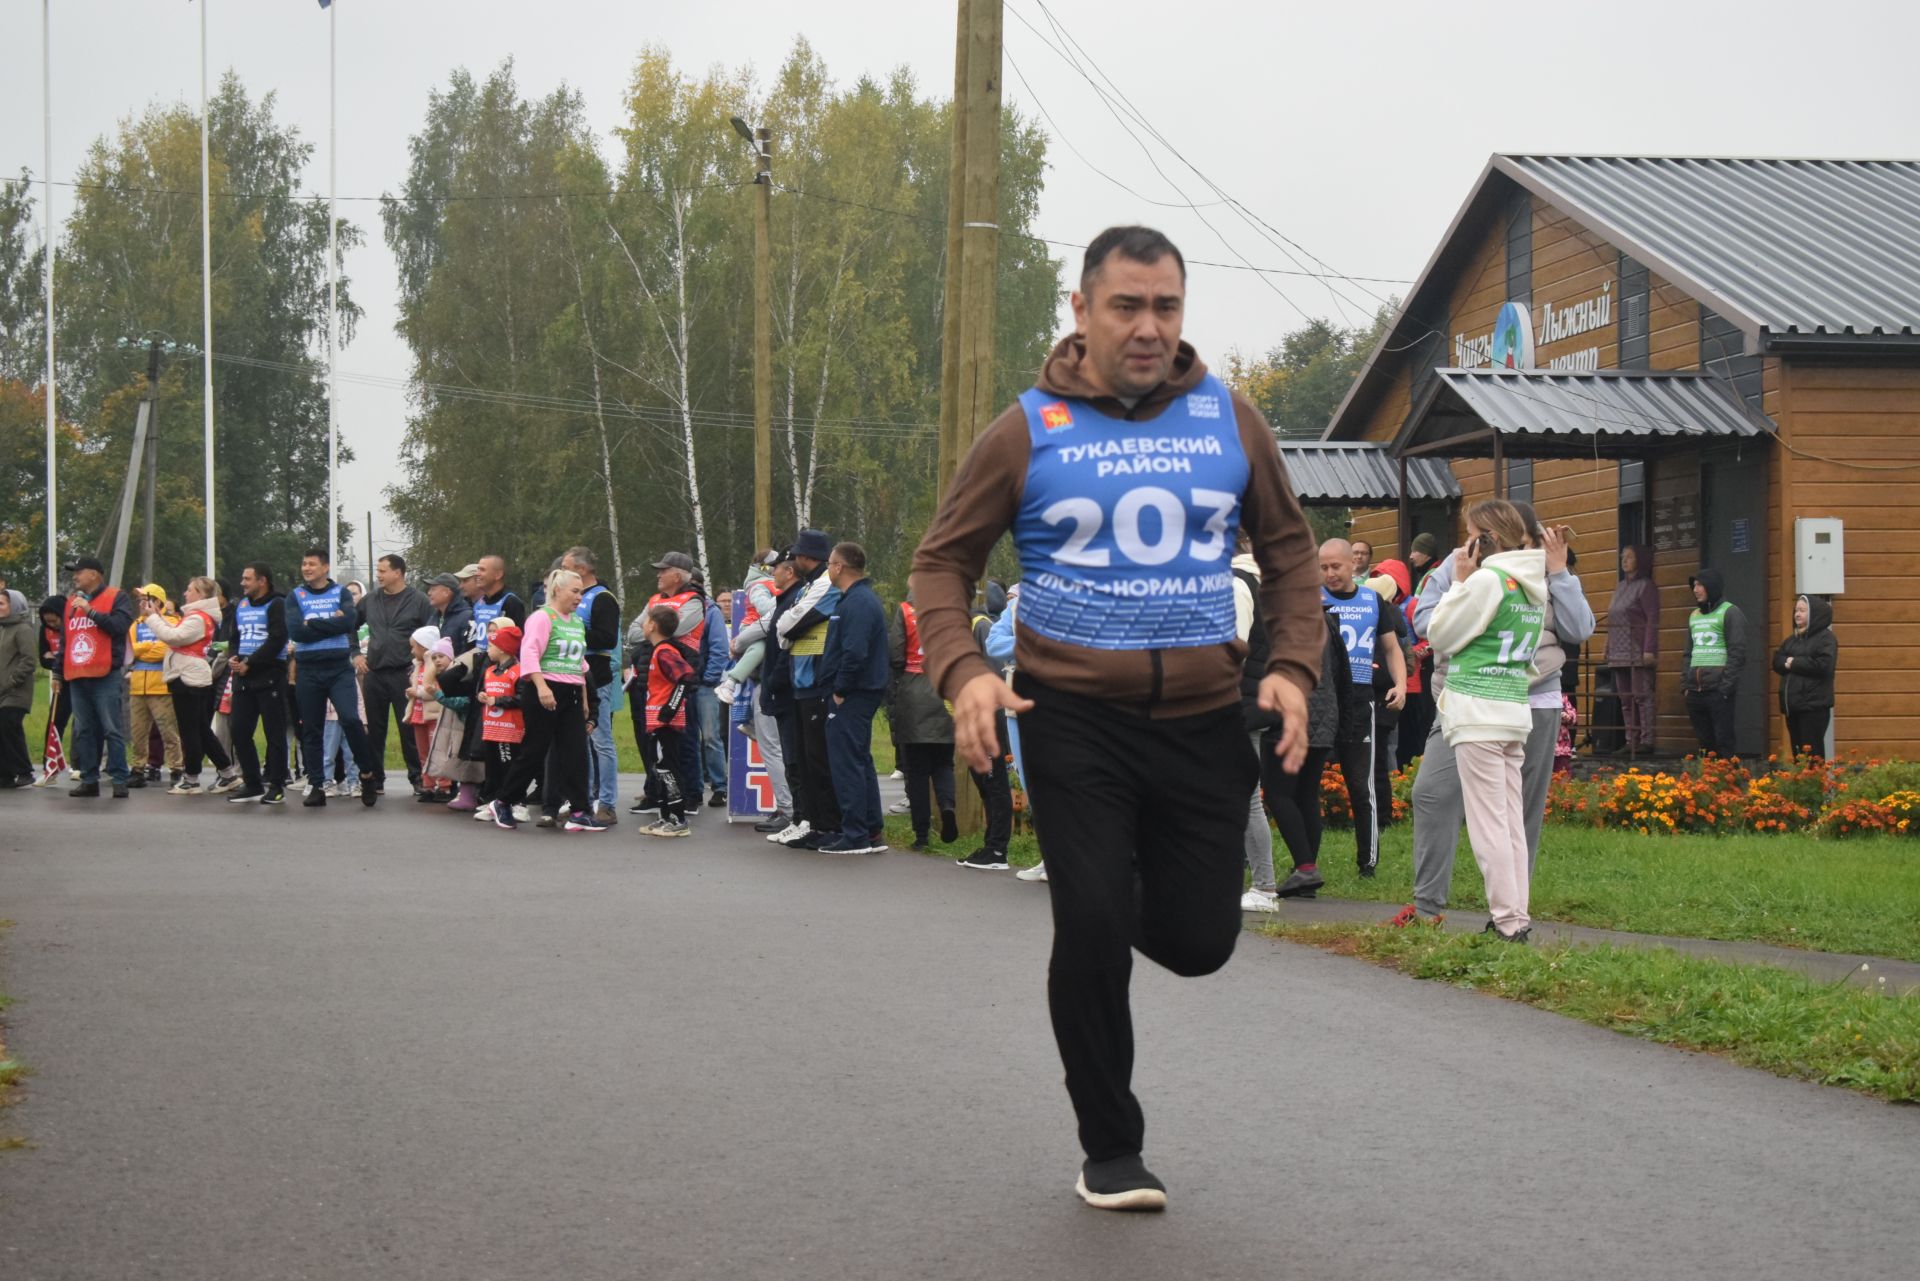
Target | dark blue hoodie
(856,659)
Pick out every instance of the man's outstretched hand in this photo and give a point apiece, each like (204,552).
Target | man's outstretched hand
(1278,694)
(976,734)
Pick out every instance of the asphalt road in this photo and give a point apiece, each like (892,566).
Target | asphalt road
(395,1044)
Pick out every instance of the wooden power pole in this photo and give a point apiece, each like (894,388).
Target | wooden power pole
(968,296)
(763,340)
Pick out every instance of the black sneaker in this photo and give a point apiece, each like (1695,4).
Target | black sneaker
(1123,1183)
(985,860)
(136,780)
(949,827)
(243,796)
(316,798)
(274,796)
(774,822)
(643,806)
(718,801)
(920,845)
(1523,935)
(369,797)
(1366,873)
(84,790)
(120,790)
(1301,882)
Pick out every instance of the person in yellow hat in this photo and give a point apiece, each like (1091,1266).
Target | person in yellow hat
(150,703)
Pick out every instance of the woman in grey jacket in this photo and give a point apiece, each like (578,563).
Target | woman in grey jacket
(19,665)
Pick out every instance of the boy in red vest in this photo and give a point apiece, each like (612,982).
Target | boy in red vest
(668,676)
(93,659)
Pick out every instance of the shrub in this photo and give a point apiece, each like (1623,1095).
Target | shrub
(1570,800)
(1858,818)
(1703,801)
(1335,811)
(1905,807)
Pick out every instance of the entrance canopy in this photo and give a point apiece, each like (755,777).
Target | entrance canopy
(1538,413)
(1362,473)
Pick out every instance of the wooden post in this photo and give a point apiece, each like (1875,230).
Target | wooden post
(950,288)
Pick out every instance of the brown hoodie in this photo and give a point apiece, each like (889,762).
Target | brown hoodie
(981,506)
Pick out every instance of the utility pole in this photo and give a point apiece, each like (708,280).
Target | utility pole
(141,452)
(968,297)
(153,468)
(761,140)
(369,551)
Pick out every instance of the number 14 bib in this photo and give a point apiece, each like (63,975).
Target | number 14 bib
(1126,529)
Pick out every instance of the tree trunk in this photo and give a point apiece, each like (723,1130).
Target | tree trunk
(600,420)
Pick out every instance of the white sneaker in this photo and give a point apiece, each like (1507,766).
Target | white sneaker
(791,832)
(185,787)
(224,784)
(897,775)
(900,806)
(1258,901)
(484,814)
(520,814)
(726,691)
(1038,872)
(348,789)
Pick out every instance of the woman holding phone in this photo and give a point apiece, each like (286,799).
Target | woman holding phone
(1488,625)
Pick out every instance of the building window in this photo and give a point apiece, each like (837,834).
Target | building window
(1520,247)
(1635,300)
(1520,480)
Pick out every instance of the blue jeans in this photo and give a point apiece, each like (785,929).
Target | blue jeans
(331,749)
(99,709)
(315,685)
(601,756)
(713,736)
(850,760)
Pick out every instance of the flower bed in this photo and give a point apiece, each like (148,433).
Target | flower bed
(1828,798)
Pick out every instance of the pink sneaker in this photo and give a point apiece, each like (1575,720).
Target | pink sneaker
(467,801)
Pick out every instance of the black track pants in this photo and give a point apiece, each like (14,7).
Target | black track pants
(1141,824)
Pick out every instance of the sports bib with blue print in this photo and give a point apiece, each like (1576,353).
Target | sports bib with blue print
(1126,529)
(1360,619)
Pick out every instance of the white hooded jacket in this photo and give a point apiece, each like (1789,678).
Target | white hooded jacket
(1460,618)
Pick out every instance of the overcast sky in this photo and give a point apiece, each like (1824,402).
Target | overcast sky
(1353,130)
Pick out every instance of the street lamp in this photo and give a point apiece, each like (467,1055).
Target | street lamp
(761,140)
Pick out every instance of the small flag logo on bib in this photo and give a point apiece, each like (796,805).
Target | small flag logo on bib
(1056,417)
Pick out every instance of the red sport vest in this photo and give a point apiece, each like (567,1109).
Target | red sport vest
(89,651)
(688,640)
(502,724)
(198,649)
(916,657)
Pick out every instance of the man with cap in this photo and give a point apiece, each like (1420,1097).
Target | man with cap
(391,613)
(802,632)
(149,703)
(93,652)
(599,609)
(452,615)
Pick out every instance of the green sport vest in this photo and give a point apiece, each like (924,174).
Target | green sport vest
(1495,664)
(567,647)
(1709,632)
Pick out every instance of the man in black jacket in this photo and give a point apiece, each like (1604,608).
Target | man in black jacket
(391,613)
(855,668)
(1716,654)
(256,635)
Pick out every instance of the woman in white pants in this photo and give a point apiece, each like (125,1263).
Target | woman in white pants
(1488,625)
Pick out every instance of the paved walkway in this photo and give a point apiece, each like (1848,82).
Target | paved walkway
(394,1044)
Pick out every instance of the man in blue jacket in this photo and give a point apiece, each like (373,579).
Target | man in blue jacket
(322,622)
(714,649)
(855,669)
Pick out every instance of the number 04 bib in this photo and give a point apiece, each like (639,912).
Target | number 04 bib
(1126,529)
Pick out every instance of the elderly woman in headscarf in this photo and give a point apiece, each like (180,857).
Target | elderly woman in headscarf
(455,756)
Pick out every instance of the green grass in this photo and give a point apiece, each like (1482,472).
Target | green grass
(1854,895)
(1755,1015)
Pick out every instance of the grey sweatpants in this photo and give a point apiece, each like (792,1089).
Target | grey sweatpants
(766,733)
(1439,814)
(1259,838)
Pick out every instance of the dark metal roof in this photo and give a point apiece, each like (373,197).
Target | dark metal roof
(1823,248)
(1361,474)
(1541,414)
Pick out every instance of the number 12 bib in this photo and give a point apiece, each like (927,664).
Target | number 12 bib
(1126,529)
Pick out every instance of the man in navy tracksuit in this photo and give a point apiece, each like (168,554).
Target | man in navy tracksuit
(855,669)
(322,621)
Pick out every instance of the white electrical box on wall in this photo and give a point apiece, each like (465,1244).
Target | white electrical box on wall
(1819,556)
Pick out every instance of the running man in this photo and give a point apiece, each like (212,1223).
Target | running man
(1125,477)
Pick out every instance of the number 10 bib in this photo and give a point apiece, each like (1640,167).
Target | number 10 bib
(1126,529)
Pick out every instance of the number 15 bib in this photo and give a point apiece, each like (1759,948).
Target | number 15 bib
(1126,529)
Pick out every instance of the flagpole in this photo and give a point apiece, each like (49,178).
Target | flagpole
(333,298)
(206,285)
(46,212)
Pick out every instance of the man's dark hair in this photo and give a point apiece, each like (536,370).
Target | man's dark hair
(852,555)
(398,564)
(318,553)
(263,572)
(1142,244)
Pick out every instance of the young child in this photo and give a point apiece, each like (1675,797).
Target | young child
(1563,746)
(423,710)
(502,726)
(668,673)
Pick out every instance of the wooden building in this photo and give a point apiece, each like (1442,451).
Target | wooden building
(1691,354)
